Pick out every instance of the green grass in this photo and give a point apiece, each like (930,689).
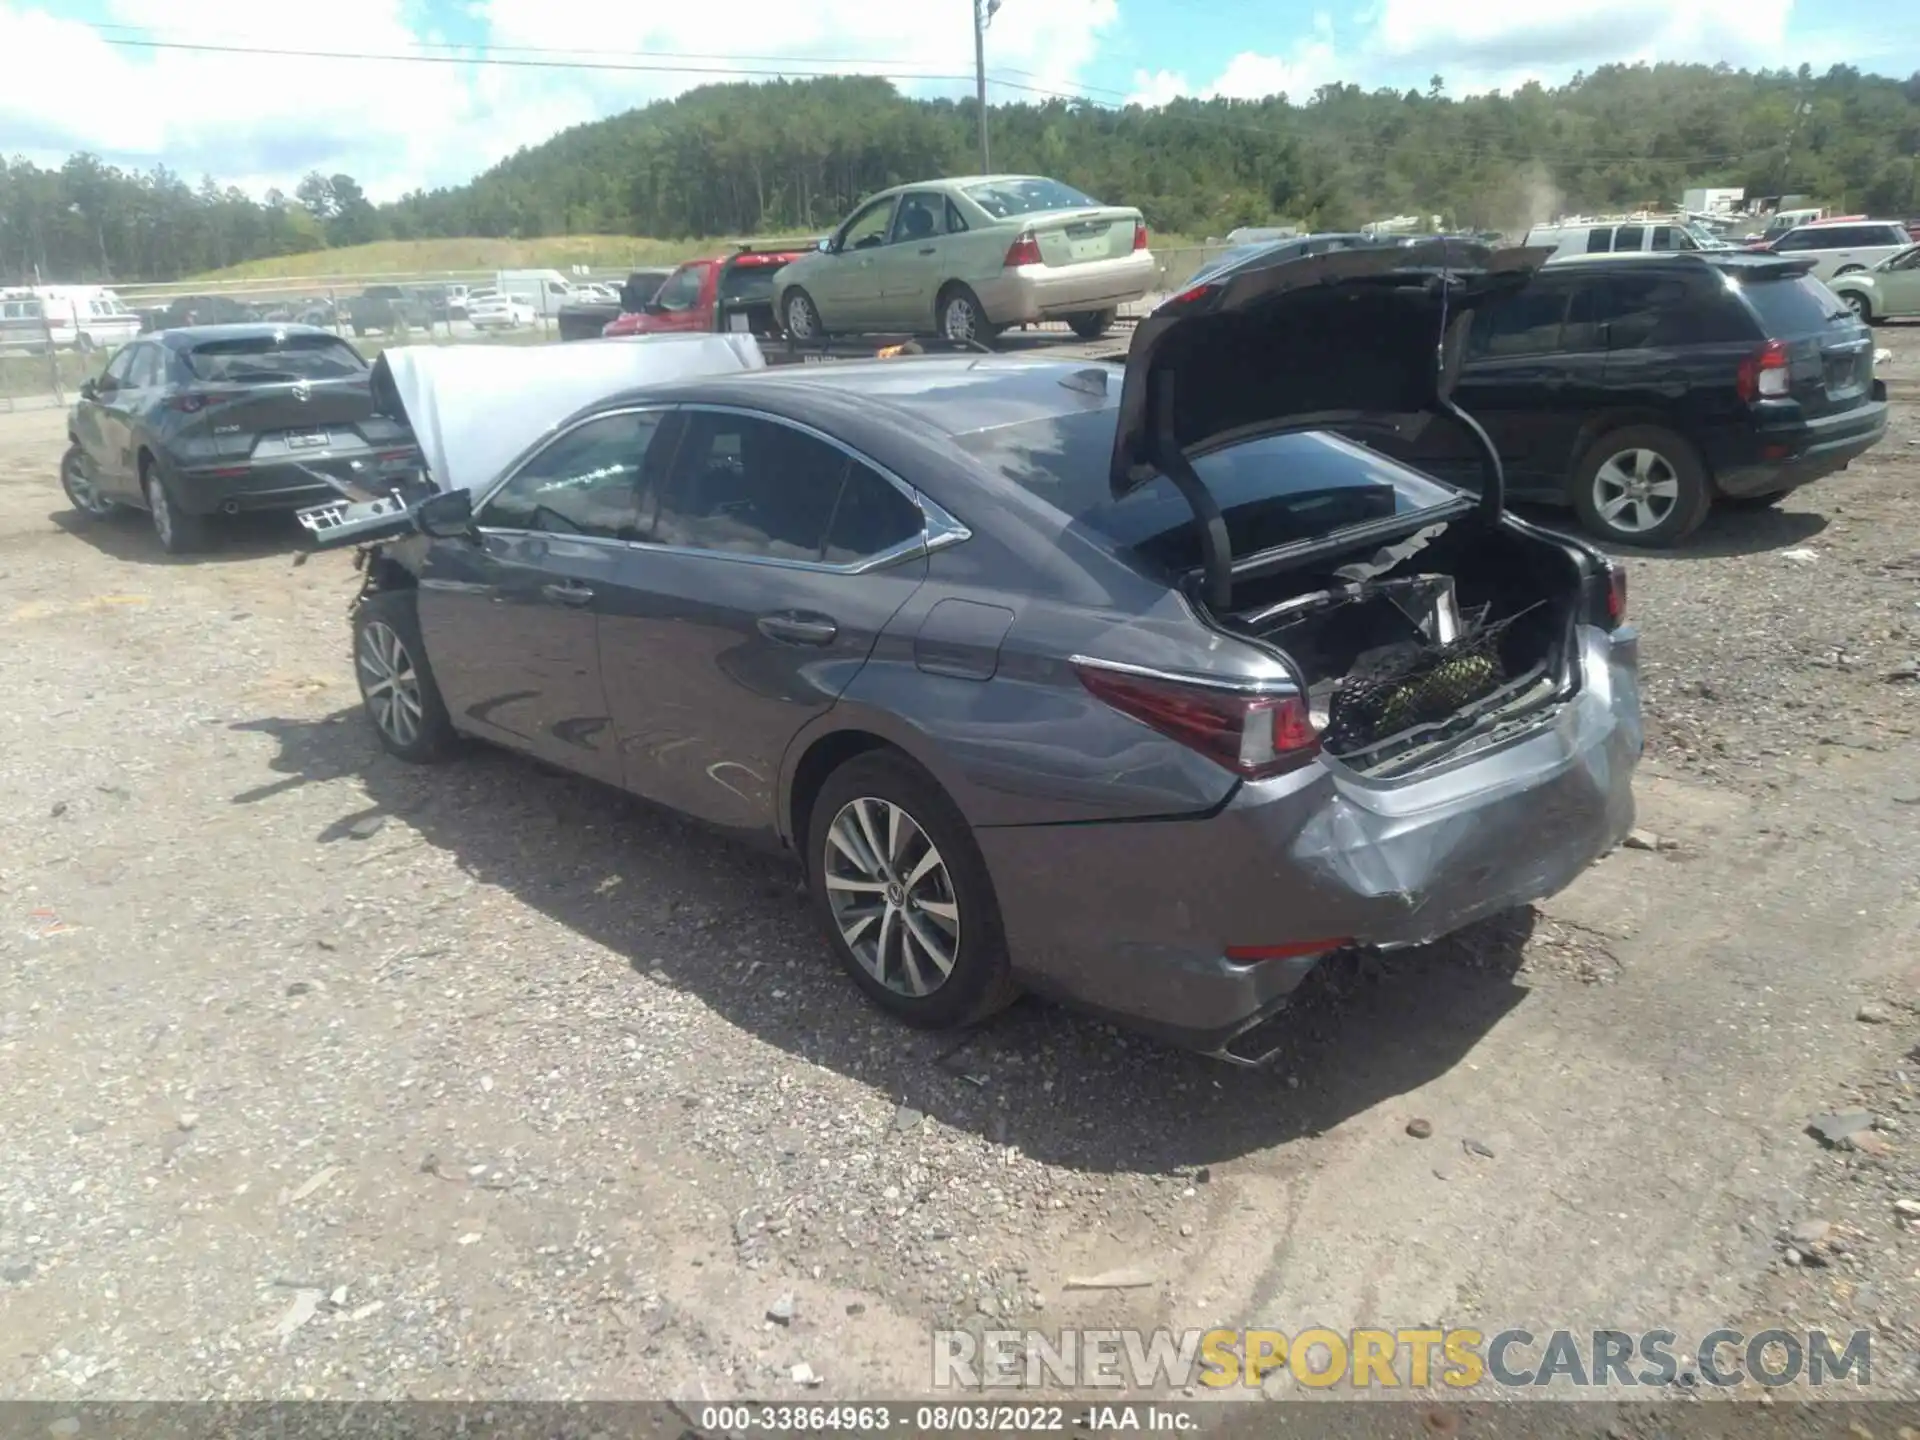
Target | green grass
(22,376)
(429,257)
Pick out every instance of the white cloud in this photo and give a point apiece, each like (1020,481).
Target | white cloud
(1247,76)
(1481,37)
(259,120)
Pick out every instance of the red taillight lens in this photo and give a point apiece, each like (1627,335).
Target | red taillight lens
(1617,594)
(1024,251)
(1292,950)
(1139,234)
(1253,735)
(1763,374)
(188,404)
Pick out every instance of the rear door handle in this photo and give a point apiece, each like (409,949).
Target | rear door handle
(570,593)
(797,629)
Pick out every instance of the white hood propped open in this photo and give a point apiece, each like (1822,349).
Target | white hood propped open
(474,408)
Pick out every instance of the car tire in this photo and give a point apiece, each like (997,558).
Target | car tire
(1861,307)
(82,493)
(946,896)
(801,317)
(1641,485)
(1091,324)
(961,319)
(397,688)
(178,532)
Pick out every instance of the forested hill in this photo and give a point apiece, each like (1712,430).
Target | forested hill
(794,156)
(740,159)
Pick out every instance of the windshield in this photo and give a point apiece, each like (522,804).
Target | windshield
(267,358)
(1799,305)
(1026,196)
(1705,238)
(1273,490)
(750,284)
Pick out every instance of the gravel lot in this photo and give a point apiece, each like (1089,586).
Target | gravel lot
(330,1077)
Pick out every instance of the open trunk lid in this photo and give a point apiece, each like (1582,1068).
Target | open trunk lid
(1349,339)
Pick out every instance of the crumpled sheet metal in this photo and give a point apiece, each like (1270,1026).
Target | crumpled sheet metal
(1419,861)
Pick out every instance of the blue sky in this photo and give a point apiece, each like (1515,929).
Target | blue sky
(259,120)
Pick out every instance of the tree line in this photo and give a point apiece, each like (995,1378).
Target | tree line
(795,156)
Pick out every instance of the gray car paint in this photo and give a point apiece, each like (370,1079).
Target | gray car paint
(1133,919)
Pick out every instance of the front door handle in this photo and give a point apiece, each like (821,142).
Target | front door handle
(571,593)
(797,629)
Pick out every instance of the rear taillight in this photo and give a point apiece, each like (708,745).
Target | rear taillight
(1024,251)
(189,403)
(1763,374)
(1139,234)
(1606,603)
(1253,735)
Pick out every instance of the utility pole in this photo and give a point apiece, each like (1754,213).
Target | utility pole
(983,12)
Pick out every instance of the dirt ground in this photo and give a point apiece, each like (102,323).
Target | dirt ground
(326,1076)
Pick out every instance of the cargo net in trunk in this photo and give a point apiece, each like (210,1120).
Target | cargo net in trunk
(1405,686)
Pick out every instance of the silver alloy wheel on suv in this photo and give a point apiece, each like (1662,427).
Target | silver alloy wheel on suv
(81,490)
(892,899)
(1634,491)
(803,322)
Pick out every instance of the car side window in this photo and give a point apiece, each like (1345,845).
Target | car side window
(682,288)
(1640,311)
(956,222)
(868,227)
(1667,237)
(870,516)
(1599,240)
(1524,324)
(148,368)
(1629,237)
(114,377)
(742,485)
(1908,261)
(1794,240)
(1586,308)
(921,217)
(585,482)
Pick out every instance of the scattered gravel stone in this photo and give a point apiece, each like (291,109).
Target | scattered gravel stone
(907,1118)
(1128,1277)
(366,826)
(189,1121)
(1810,1232)
(88,1125)
(1420,1129)
(1642,840)
(803,1374)
(1836,1129)
(1474,1147)
(1907,1207)
(782,1311)
(1874,1013)
(17,1273)
(298,988)
(59,808)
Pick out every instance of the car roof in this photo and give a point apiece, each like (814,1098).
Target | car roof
(1734,261)
(185,337)
(950,394)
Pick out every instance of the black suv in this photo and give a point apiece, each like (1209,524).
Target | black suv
(1641,388)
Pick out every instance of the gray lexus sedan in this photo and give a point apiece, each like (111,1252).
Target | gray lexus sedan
(1133,684)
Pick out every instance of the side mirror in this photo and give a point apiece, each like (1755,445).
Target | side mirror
(89,388)
(446,516)
(825,247)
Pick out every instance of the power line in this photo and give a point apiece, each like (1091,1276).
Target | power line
(646,62)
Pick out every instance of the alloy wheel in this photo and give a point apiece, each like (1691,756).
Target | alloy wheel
(1857,303)
(81,490)
(1635,491)
(390,683)
(162,511)
(958,321)
(800,318)
(892,897)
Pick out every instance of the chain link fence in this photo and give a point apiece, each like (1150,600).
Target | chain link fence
(373,312)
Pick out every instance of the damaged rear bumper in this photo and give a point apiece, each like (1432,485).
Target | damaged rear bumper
(1135,920)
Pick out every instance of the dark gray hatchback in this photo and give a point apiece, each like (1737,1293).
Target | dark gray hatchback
(1132,685)
(210,420)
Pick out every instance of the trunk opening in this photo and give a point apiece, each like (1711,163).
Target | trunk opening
(1448,642)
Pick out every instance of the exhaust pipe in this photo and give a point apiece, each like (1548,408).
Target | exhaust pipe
(230,507)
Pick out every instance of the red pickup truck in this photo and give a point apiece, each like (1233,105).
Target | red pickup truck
(730,292)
